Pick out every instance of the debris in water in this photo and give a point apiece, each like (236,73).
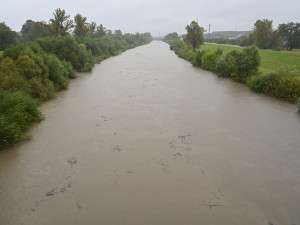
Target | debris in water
(72,161)
(50,193)
(117,149)
(183,137)
(210,206)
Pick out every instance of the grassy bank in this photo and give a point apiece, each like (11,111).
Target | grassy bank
(273,73)
(270,60)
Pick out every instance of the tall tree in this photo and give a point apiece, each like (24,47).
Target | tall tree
(32,30)
(194,34)
(118,33)
(81,26)
(263,33)
(92,29)
(60,24)
(101,31)
(290,33)
(7,36)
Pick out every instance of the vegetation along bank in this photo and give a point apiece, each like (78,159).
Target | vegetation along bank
(43,57)
(270,72)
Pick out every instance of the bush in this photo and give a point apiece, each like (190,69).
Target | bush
(239,64)
(247,63)
(284,84)
(209,61)
(57,72)
(225,67)
(197,59)
(17,112)
(66,48)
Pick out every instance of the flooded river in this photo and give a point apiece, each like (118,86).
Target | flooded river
(148,139)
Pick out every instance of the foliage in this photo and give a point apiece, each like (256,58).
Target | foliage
(171,37)
(7,36)
(247,63)
(17,112)
(60,24)
(197,62)
(81,26)
(32,72)
(66,48)
(183,50)
(32,30)
(209,60)
(284,84)
(290,33)
(225,67)
(270,60)
(194,34)
(263,32)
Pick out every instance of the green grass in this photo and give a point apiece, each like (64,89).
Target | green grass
(270,60)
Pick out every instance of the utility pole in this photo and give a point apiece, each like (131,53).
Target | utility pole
(209,31)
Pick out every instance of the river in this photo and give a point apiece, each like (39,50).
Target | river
(148,139)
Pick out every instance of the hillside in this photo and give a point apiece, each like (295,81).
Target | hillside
(228,34)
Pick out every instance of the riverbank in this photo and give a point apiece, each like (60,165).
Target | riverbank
(270,60)
(32,73)
(246,65)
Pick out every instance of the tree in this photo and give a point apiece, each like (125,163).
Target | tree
(171,37)
(194,34)
(263,33)
(277,41)
(118,33)
(7,36)
(290,33)
(92,29)
(81,26)
(60,24)
(101,31)
(32,30)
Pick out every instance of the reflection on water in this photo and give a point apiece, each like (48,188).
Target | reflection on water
(148,139)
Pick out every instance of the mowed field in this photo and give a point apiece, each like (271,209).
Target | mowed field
(270,60)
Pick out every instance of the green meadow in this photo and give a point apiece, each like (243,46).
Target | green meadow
(270,60)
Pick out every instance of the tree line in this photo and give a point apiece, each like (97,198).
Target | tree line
(264,36)
(41,59)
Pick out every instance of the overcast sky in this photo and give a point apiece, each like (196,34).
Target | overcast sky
(156,16)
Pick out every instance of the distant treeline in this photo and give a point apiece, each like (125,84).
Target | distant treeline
(239,64)
(263,36)
(43,57)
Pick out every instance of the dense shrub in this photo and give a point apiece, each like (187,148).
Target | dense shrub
(247,63)
(23,74)
(197,62)
(285,83)
(209,60)
(66,48)
(239,64)
(225,67)
(17,112)
(58,74)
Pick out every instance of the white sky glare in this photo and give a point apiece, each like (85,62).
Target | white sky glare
(159,17)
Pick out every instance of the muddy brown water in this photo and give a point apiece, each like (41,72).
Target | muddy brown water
(148,139)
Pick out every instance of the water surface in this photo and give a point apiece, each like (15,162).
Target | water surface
(148,139)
